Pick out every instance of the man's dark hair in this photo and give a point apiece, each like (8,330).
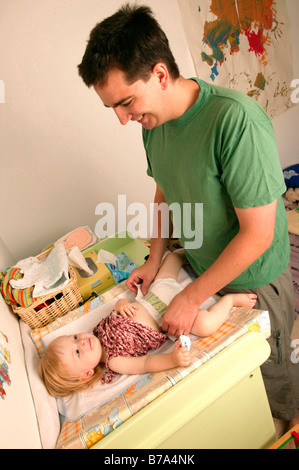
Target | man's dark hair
(130,40)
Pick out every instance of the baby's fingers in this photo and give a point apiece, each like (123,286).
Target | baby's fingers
(185,358)
(129,310)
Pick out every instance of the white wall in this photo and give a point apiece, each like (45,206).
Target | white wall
(19,429)
(286,125)
(61,151)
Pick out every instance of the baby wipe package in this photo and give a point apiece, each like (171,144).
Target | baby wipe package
(105,270)
(119,265)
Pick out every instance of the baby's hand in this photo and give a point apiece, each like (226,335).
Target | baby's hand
(124,308)
(181,355)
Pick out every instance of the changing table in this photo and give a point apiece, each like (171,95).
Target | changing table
(222,405)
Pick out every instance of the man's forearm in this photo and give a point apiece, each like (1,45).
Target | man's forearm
(240,253)
(162,229)
(247,246)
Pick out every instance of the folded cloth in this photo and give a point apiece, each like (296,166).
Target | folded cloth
(47,275)
(22,297)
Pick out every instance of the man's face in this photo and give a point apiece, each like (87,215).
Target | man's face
(141,101)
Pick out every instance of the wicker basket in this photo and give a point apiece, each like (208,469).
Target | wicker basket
(49,307)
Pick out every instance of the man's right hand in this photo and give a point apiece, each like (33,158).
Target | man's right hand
(144,275)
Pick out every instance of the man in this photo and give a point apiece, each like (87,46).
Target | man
(208,145)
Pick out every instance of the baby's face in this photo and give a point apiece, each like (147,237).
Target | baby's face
(79,353)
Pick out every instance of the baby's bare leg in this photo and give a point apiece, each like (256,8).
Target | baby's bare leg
(171,265)
(208,321)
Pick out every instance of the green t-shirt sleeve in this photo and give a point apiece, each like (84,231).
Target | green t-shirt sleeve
(251,170)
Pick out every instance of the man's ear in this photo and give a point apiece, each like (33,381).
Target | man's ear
(161,72)
(86,375)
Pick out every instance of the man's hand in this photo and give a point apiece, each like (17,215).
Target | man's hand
(145,274)
(180,315)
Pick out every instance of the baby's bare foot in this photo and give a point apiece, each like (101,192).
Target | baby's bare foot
(244,300)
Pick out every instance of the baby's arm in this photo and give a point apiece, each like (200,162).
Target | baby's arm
(180,356)
(125,308)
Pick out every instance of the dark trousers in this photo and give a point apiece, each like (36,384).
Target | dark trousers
(281,371)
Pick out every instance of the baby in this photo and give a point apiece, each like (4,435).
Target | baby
(121,341)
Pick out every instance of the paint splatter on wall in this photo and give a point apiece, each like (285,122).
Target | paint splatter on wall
(242,44)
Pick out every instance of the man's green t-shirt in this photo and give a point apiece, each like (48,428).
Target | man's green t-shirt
(220,154)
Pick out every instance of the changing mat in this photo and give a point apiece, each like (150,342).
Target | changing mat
(89,416)
(108,409)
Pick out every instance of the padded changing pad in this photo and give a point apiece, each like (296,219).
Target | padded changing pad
(88,416)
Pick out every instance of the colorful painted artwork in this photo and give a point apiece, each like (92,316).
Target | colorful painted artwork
(244,45)
(4,361)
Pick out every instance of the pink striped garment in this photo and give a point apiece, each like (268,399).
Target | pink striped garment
(124,337)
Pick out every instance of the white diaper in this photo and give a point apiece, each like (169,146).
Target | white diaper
(166,289)
(159,296)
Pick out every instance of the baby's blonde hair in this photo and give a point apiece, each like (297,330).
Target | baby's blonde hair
(58,381)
